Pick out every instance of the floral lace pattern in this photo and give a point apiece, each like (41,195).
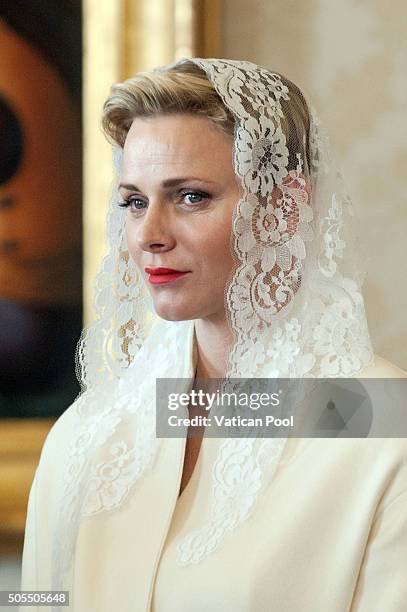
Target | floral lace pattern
(115,443)
(240,472)
(274,214)
(294,303)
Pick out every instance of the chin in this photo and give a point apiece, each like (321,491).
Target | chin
(175,318)
(172,312)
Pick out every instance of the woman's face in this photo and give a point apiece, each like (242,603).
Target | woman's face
(180,190)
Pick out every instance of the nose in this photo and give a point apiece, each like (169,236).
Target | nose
(153,231)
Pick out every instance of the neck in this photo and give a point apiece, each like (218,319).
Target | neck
(213,341)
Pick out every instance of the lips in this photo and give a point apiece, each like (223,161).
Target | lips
(160,276)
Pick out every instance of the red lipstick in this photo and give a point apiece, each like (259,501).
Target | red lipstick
(159,276)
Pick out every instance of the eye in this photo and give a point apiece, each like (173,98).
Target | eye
(133,202)
(194,197)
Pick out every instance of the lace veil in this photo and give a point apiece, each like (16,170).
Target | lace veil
(295,304)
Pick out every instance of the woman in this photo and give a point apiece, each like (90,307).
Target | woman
(228,258)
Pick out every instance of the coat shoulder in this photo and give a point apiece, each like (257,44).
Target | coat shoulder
(381,368)
(59,437)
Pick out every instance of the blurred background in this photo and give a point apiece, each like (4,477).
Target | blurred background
(58,59)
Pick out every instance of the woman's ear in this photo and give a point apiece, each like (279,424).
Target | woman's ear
(298,180)
(293,191)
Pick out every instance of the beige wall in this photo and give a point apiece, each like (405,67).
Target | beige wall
(350,57)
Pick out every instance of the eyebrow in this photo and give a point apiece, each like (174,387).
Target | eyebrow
(167,183)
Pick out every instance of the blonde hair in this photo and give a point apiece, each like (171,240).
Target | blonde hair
(185,88)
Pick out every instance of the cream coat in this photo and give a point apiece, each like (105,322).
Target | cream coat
(329,535)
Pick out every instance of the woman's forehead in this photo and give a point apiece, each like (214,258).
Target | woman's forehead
(174,144)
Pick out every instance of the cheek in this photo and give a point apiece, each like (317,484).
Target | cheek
(131,242)
(216,246)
